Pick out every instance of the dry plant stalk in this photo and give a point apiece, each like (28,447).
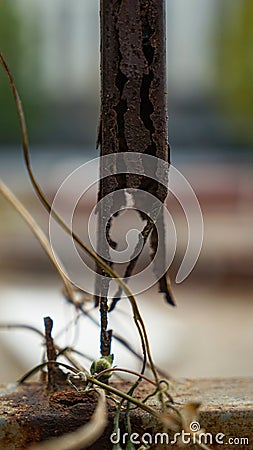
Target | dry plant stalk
(39,234)
(138,320)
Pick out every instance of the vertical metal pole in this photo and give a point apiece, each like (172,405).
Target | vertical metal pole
(133,78)
(133,101)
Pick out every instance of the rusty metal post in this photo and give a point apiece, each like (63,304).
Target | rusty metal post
(133,114)
(133,81)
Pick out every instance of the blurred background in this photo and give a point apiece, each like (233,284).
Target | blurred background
(53,51)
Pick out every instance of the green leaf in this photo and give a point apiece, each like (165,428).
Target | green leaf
(109,358)
(130,445)
(117,447)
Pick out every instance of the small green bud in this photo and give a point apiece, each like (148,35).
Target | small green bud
(103,363)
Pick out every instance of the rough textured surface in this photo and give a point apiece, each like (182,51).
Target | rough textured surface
(30,413)
(133,85)
(133,120)
(226,407)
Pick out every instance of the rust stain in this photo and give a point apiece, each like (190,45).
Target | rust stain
(31,413)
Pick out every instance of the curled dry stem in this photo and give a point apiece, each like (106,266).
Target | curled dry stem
(136,313)
(141,376)
(66,352)
(94,381)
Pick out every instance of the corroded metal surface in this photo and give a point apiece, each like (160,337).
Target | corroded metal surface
(227,407)
(133,120)
(133,117)
(133,85)
(31,413)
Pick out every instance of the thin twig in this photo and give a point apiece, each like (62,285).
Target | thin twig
(9,326)
(92,380)
(133,372)
(136,313)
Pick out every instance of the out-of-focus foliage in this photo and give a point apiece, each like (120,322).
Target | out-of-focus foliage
(235,67)
(50,48)
(10,44)
(18,44)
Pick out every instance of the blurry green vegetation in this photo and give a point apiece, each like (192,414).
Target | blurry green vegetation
(62,120)
(18,44)
(235,68)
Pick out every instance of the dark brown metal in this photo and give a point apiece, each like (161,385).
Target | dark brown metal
(133,80)
(133,107)
(30,414)
(133,110)
(54,375)
(105,335)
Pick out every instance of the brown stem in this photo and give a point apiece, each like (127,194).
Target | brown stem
(105,335)
(53,370)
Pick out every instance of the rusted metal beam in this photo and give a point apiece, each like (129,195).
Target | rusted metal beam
(133,85)
(30,413)
(133,115)
(134,106)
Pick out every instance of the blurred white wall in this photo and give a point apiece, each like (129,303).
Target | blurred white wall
(190,25)
(69,46)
